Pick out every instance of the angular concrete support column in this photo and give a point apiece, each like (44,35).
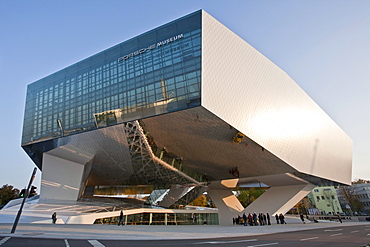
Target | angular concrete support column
(286,191)
(89,191)
(226,202)
(84,189)
(175,193)
(61,179)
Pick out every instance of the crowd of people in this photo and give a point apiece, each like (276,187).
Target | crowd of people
(261,219)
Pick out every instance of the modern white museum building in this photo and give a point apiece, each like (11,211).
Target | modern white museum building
(187,108)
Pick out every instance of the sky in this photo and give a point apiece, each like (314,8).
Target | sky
(324,45)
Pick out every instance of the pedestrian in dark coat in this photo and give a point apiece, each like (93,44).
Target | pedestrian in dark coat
(250,219)
(54,217)
(244,219)
(277,218)
(255,219)
(120,221)
(260,219)
(268,219)
(282,219)
(340,220)
(264,219)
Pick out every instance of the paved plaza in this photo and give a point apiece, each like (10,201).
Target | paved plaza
(156,232)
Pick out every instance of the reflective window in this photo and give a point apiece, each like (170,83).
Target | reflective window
(161,75)
(164,219)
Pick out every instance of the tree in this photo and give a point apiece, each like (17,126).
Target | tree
(7,193)
(303,205)
(349,195)
(246,197)
(361,181)
(201,201)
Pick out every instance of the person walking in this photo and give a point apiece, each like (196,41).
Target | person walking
(302,218)
(277,218)
(264,218)
(245,219)
(340,220)
(268,219)
(250,219)
(54,217)
(255,219)
(260,219)
(282,219)
(120,222)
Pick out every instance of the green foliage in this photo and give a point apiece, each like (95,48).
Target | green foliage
(123,190)
(7,193)
(349,195)
(361,181)
(246,197)
(201,201)
(301,206)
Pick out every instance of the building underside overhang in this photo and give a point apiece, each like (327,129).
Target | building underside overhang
(195,138)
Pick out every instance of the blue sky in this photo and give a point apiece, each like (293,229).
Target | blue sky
(323,45)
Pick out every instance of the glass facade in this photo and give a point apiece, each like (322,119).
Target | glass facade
(164,219)
(154,73)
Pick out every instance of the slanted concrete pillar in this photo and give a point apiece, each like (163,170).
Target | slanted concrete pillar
(175,193)
(226,202)
(279,199)
(89,191)
(285,191)
(61,179)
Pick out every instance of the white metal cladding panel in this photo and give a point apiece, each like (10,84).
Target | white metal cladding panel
(252,94)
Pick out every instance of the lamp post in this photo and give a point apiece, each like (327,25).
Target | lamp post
(24,199)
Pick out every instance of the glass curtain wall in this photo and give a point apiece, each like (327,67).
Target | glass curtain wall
(164,219)
(154,73)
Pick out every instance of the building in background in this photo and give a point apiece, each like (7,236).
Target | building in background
(362,193)
(325,201)
(355,199)
(188,107)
